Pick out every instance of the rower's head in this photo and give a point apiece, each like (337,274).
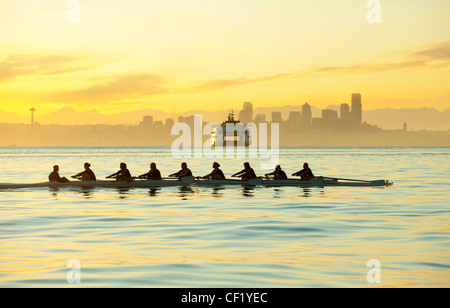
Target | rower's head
(216,165)
(183,166)
(278,167)
(123,166)
(305,165)
(56,168)
(153,166)
(246,165)
(87,165)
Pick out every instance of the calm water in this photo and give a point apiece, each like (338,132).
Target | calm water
(228,237)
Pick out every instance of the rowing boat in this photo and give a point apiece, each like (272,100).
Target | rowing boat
(117,184)
(318,182)
(261,182)
(191,181)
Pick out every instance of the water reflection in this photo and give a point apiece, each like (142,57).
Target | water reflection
(54,191)
(278,193)
(87,192)
(153,192)
(216,192)
(185,191)
(123,192)
(308,190)
(247,191)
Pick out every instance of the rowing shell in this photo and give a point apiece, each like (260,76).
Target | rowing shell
(190,181)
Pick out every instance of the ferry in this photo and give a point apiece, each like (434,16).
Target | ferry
(236,137)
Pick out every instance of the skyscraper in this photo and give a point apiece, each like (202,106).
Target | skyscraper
(32,110)
(246,115)
(306,116)
(345,117)
(329,119)
(276,117)
(260,118)
(147,121)
(345,112)
(169,123)
(294,120)
(356,108)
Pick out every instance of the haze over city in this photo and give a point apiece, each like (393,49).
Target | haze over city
(301,127)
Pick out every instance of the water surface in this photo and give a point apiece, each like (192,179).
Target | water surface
(228,236)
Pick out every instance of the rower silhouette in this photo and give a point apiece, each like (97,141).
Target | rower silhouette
(122,175)
(305,173)
(185,171)
(278,174)
(55,177)
(216,174)
(153,174)
(247,173)
(86,175)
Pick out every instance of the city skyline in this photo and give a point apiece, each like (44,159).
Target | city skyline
(344,126)
(386,118)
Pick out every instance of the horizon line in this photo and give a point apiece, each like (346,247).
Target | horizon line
(212,111)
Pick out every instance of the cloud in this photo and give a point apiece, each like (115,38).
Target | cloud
(226,83)
(434,56)
(27,64)
(127,85)
(439,51)
(367,68)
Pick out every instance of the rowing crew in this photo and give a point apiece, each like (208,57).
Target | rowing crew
(154,174)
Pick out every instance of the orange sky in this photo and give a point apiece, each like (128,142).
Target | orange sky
(214,55)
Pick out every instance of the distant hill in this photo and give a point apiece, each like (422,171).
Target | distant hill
(387,118)
(417,119)
(9,117)
(68,116)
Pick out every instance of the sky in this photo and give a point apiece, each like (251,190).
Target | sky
(175,55)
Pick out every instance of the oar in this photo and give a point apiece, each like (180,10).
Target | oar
(202,178)
(354,180)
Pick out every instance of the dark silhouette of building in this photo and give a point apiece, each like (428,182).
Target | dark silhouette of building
(169,123)
(276,117)
(356,108)
(188,120)
(306,119)
(330,119)
(147,121)
(345,117)
(260,118)
(32,110)
(294,121)
(246,115)
(317,124)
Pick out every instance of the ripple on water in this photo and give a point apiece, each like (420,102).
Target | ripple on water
(229,236)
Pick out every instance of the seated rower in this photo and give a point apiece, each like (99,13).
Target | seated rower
(86,175)
(278,174)
(216,174)
(153,174)
(305,173)
(122,175)
(185,171)
(247,174)
(54,176)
